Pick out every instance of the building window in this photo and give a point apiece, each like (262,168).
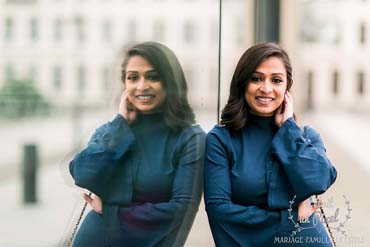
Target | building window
(240,31)
(159,30)
(310,90)
(107,31)
(58,29)
(362,33)
(360,83)
(105,79)
(213,78)
(189,32)
(214,32)
(9,73)
(335,87)
(32,74)
(80,29)
(57,78)
(34,29)
(81,80)
(132,31)
(21,1)
(8,29)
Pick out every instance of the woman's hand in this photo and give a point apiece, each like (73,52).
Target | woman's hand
(96,203)
(281,117)
(306,209)
(126,109)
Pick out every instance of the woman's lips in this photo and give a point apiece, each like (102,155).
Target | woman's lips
(264,100)
(145,98)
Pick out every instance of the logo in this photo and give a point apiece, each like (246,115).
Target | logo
(336,221)
(327,215)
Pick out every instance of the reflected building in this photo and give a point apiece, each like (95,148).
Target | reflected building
(72,49)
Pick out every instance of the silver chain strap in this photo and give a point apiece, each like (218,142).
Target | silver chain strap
(326,222)
(69,244)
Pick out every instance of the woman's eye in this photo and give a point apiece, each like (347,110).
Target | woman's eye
(277,80)
(256,79)
(131,78)
(153,77)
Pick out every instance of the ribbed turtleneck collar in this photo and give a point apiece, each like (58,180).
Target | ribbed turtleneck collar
(150,118)
(262,122)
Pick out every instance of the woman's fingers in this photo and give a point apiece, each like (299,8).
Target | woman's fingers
(306,209)
(87,198)
(289,96)
(96,203)
(126,108)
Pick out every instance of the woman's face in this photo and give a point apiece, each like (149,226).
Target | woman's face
(266,87)
(144,85)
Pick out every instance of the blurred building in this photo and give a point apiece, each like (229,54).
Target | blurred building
(333,54)
(71,50)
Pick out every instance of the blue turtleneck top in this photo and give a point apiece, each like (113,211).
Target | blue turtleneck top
(148,176)
(252,176)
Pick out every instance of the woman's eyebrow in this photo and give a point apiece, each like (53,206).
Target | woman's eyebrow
(281,74)
(150,71)
(278,73)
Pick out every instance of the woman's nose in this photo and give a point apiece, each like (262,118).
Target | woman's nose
(142,84)
(266,87)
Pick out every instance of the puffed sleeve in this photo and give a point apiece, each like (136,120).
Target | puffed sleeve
(93,167)
(231,224)
(168,223)
(303,157)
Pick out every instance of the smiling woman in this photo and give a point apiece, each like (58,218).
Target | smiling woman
(259,159)
(145,166)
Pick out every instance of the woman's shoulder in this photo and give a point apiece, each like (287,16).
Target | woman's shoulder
(220,133)
(192,131)
(219,130)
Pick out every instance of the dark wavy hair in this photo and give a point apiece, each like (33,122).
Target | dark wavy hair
(177,112)
(234,115)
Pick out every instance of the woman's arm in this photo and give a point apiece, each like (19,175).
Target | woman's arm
(303,159)
(302,154)
(93,167)
(228,219)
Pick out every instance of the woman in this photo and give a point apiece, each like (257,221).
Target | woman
(258,160)
(144,167)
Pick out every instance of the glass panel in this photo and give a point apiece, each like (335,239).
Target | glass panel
(75,68)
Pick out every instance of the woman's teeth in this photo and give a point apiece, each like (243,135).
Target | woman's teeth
(145,97)
(264,99)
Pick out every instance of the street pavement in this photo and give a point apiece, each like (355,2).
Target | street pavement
(49,222)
